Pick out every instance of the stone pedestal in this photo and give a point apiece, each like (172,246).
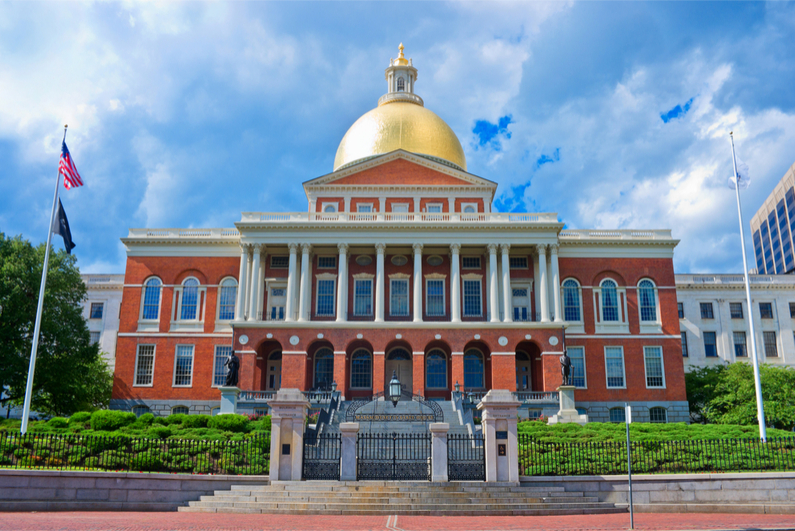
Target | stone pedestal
(288,412)
(439,450)
(229,400)
(568,411)
(499,418)
(348,432)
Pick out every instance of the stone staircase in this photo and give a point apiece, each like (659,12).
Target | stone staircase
(404,407)
(400,497)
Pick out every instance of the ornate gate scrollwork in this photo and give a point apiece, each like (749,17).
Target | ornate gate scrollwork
(434,415)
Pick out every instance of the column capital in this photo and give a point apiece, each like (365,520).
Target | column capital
(455,247)
(343,248)
(380,248)
(417,248)
(553,248)
(293,248)
(258,248)
(541,248)
(505,248)
(306,248)
(245,248)
(491,248)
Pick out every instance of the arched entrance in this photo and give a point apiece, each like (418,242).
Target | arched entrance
(323,368)
(523,371)
(529,375)
(398,360)
(268,372)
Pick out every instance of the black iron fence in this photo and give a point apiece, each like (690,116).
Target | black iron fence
(250,456)
(654,457)
(321,458)
(466,457)
(394,456)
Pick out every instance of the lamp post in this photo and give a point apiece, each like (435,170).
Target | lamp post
(395,389)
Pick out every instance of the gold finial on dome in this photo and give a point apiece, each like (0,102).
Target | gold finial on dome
(401,60)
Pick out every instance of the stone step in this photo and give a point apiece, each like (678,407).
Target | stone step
(81,505)
(396,495)
(301,507)
(359,501)
(605,509)
(404,490)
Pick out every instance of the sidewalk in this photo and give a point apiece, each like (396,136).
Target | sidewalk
(96,521)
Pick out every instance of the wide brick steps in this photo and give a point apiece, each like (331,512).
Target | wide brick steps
(406,498)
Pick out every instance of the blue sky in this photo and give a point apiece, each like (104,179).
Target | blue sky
(614,115)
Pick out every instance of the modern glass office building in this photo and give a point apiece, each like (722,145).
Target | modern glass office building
(773,226)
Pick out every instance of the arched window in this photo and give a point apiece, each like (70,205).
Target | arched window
(151,309)
(226,299)
(330,208)
(436,370)
(571,300)
(399,354)
(324,368)
(180,410)
(362,369)
(469,210)
(473,369)
(647,301)
(609,300)
(190,299)
(658,415)
(401,85)
(140,410)
(617,414)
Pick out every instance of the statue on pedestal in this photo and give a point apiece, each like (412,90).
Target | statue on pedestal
(565,368)
(233,365)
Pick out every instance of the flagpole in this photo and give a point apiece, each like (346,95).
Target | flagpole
(40,307)
(760,407)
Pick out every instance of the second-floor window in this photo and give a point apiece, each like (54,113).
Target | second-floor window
(222,353)
(766,310)
(183,366)
(736,310)
(434,297)
(325,297)
(577,355)
(706,310)
(399,297)
(96,310)
(189,302)
(609,301)
(472,300)
(363,297)
(710,345)
(647,298)
(151,306)
(571,301)
(226,299)
(740,349)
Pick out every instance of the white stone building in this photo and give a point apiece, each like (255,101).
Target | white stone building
(101,310)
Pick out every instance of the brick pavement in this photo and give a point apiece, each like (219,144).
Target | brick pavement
(130,521)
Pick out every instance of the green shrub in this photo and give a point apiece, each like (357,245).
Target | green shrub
(177,418)
(145,420)
(58,422)
(81,417)
(263,423)
(161,421)
(196,421)
(233,423)
(159,432)
(109,420)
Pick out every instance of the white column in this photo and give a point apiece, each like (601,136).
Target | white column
(553,251)
(417,282)
(242,284)
(506,283)
(347,204)
(304,300)
(455,283)
(342,283)
(261,290)
(292,273)
(417,213)
(255,275)
(380,249)
(542,282)
(494,299)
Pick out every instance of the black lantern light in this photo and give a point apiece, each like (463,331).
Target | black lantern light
(334,386)
(395,389)
(457,387)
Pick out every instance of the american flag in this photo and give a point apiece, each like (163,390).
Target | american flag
(71,179)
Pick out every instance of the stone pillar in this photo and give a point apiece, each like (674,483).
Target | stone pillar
(507,301)
(304,300)
(288,412)
(417,282)
(242,284)
(291,274)
(455,283)
(380,249)
(229,400)
(255,276)
(494,296)
(348,433)
(260,309)
(542,282)
(499,420)
(439,450)
(553,252)
(568,411)
(342,283)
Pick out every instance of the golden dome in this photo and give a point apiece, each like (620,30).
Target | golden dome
(400,125)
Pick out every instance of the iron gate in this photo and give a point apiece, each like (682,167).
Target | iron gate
(393,456)
(321,456)
(466,457)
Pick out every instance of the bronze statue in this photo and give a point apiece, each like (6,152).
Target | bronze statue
(565,368)
(233,364)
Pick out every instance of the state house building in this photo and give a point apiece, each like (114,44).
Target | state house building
(399,264)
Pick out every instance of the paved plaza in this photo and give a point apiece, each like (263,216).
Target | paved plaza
(96,521)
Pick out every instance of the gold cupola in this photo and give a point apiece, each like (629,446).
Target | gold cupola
(400,121)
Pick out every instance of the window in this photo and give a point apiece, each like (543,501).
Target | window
(365,208)
(96,310)
(330,208)
(226,300)
(710,345)
(401,84)
(151,309)
(648,301)
(399,296)
(434,297)
(766,310)
(518,262)
(473,369)
(469,209)
(706,310)
(771,348)
(577,355)
(94,337)
(280,262)
(183,366)
(189,303)
(222,354)
(618,414)
(521,304)
(792,310)
(434,208)
(400,208)
(658,415)
(470,262)
(180,410)
(324,369)
(614,365)
(140,410)
(325,297)
(571,301)
(740,348)
(655,376)
(436,370)
(144,364)
(681,307)
(684,345)
(472,298)
(327,262)
(361,369)
(609,301)
(363,297)
(736,310)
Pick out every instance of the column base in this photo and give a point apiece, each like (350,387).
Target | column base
(229,400)
(568,412)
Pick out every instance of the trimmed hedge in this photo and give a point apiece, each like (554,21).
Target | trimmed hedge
(109,420)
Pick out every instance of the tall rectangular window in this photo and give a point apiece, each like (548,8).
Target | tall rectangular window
(472,298)
(681,307)
(736,310)
(434,297)
(144,364)
(226,303)
(684,345)
(325,297)
(399,296)
(710,345)
(222,353)
(183,366)
(94,337)
(614,367)
(654,367)
(771,347)
(96,310)
(470,262)
(706,310)
(740,349)
(363,297)
(792,310)
(577,355)
(766,310)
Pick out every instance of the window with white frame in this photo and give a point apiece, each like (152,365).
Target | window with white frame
(226,299)
(473,305)
(655,377)
(144,365)
(276,303)
(572,310)
(710,345)
(518,262)
(140,410)
(399,297)
(577,356)
(685,353)
(362,369)
(94,335)
(151,299)
(771,346)
(740,348)
(436,370)
(324,369)
(183,366)
(280,262)
(736,310)
(434,297)
(364,208)
(618,414)
(766,310)
(473,369)
(470,262)
(521,304)
(363,296)
(189,301)
(325,297)
(470,209)
(434,208)
(329,207)
(327,262)
(180,410)
(706,310)
(222,353)
(658,415)
(96,311)
(609,307)
(614,367)
(647,300)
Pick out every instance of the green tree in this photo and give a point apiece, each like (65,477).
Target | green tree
(700,384)
(70,373)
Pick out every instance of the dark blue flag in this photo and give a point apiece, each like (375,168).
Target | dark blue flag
(60,225)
